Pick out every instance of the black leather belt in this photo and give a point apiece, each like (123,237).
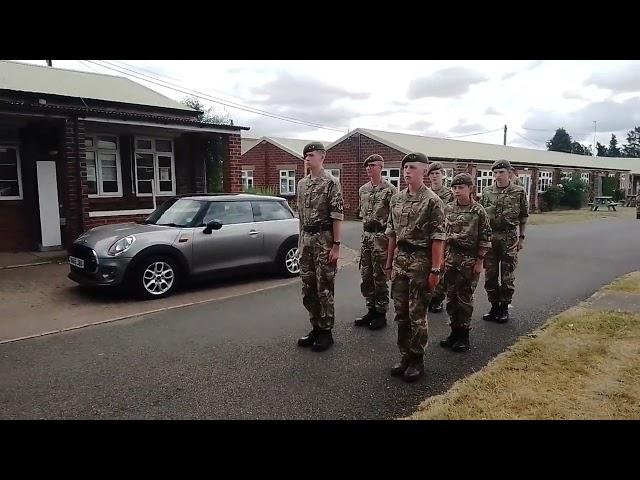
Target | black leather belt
(373,227)
(317,228)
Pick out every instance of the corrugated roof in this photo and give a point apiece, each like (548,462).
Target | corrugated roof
(24,77)
(294,146)
(462,150)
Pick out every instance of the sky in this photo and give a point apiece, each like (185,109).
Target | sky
(437,98)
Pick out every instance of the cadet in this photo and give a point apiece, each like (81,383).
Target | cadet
(435,172)
(506,205)
(468,240)
(374,209)
(416,228)
(320,209)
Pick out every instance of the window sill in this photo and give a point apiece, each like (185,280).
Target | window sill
(11,198)
(93,195)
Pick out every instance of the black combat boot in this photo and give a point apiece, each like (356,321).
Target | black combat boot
(435,306)
(415,370)
(323,341)
(493,313)
(462,342)
(309,338)
(400,367)
(451,339)
(366,318)
(379,321)
(503,314)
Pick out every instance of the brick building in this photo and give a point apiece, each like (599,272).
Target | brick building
(81,149)
(264,160)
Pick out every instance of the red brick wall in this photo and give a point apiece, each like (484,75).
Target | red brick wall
(75,197)
(232,181)
(95,222)
(15,231)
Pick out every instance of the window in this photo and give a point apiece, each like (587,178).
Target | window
(448,177)
(392,175)
(266,211)
(484,179)
(584,177)
(103,166)
(155,167)
(525,178)
(544,181)
(10,174)
(287,182)
(566,176)
(335,172)
(229,213)
(247,179)
(181,212)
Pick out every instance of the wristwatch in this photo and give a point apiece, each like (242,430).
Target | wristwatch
(336,243)
(522,237)
(436,271)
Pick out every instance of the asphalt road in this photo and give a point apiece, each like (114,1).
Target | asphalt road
(237,358)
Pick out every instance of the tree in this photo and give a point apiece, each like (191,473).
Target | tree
(214,157)
(561,141)
(580,149)
(613,150)
(632,148)
(602,150)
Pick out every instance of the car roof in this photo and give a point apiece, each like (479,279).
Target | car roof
(231,197)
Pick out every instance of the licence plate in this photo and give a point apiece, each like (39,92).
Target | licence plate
(76,262)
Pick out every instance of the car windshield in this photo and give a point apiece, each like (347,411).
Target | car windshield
(179,212)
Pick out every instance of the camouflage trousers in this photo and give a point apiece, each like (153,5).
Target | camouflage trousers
(439,293)
(373,256)
(460,283)
(411,298)
(318,276)
(500,263)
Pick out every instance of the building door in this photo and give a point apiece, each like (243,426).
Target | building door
(48,202)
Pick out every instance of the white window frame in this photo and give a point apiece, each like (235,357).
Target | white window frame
(525,178)
(584,176)
(97,151)
(545,180)
(290,191)
(246,176)
(447,177)
(20,195)
(566,175)
(156,170)
(386,174)
(483,180)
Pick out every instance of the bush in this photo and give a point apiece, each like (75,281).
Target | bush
(619,194)
(552,197)
(574,193)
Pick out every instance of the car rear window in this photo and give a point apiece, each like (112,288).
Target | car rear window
(266,211)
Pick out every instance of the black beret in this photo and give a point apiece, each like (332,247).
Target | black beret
(462,179)
(501,164)
(415,157)
(373,158)
(312,147)
(435,166)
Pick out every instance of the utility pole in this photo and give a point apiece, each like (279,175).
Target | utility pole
(595,145)
(504,142)
(49,63)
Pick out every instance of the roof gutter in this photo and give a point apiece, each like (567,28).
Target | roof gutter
(185,128)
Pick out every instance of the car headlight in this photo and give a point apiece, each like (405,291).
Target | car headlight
(121,245)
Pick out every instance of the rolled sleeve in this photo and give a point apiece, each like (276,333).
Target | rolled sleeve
(390,231)
(524,209)
(437,221)
(336,202)
(484,235)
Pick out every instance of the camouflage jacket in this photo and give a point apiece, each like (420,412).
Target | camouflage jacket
(374,202)
(416,219)
(468,231)
(319,200)
(507,207)
(638,206)
(445,194)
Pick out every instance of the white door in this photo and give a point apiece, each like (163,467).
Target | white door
(48,201)
(525,178)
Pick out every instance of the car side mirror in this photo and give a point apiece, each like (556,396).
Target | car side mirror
(211,226)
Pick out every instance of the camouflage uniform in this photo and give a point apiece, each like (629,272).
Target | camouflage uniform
(468,231)
(638,206)
(507,208)
(319,203)
(414,220)
(374,210)
(439,292)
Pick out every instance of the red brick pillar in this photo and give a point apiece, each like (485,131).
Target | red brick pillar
(534,201)
(76,199)
(232,171)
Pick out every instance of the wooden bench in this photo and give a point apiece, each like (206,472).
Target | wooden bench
(610,206)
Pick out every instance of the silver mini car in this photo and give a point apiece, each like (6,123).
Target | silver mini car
(187,237)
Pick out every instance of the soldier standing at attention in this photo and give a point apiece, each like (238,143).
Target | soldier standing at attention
(320,208)
(374,196)
(506,205)
(435,172)
(468,240)
(416,228)
(515,179)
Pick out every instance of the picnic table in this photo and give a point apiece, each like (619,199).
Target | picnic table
(602,202)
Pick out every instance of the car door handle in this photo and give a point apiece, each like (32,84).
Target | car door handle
(253,232)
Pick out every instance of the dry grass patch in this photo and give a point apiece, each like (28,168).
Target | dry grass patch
(582,215)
